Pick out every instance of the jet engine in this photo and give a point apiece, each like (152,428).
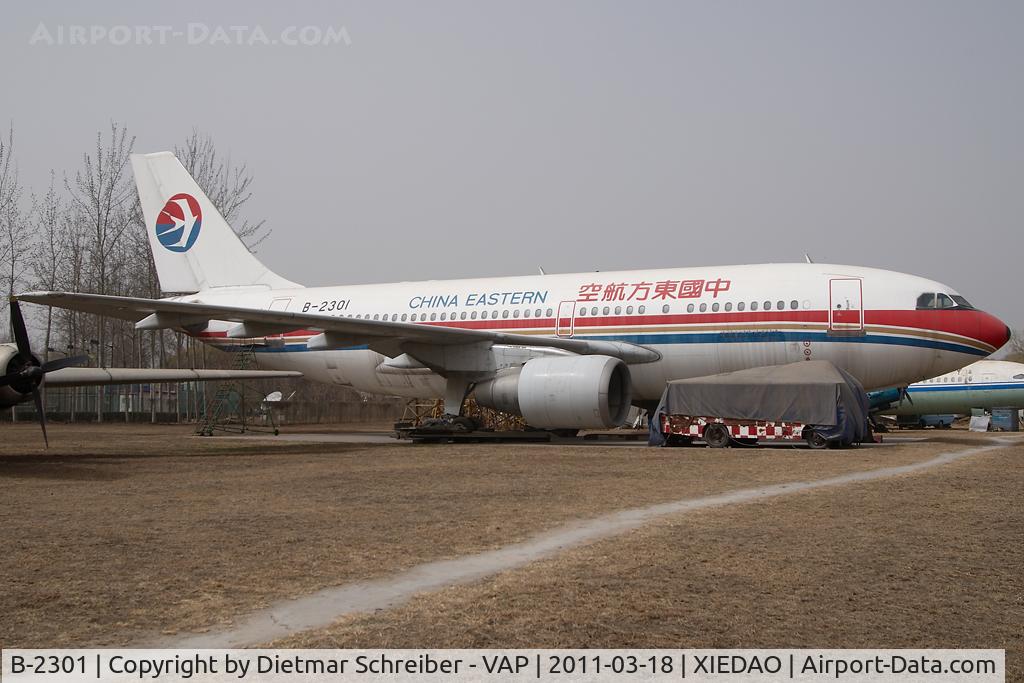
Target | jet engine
(20,389)
(577,392)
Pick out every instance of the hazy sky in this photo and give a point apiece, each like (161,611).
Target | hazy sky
(454,139)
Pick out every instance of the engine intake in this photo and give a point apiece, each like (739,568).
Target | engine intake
(578,392)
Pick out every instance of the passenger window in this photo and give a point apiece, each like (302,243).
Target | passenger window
(504,314)
(403,317)
(526,313)
(583,311)
(664,309)
(605,311)
(629,310)
(443,316)
(780,305)
(741,305)
(463,316)
(714,307)
(473,315)
(793,304)
(618,310)
(376,316)
(537,312)
(689,308)
(703,307)
(549,312)
(728,306)
(767,305)
(753,305)
(433,316)
(641,310)
(515,313)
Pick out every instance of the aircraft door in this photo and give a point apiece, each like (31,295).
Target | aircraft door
(846,305)
(566,319)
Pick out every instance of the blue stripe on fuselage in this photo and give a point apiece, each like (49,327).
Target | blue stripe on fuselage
(914,389)
(656,339)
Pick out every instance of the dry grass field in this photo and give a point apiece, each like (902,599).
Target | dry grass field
(121,532)
(932,559)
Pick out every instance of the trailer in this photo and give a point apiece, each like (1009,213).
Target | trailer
(810,401)
(718,432)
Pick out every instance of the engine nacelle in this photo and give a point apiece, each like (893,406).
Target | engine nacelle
(16,392)
(577,392)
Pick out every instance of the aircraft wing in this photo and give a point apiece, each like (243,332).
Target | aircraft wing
(389,338)
(77,377)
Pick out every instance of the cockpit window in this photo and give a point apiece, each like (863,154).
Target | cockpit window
(961,302)
(935,300)
(1020,376)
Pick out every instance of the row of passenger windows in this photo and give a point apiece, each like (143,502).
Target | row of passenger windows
(582,312)
(702,308)
(464,315)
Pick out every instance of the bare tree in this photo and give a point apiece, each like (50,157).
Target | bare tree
(1016,347)
(48,259)
(15,233)
(227,186)
(103,198)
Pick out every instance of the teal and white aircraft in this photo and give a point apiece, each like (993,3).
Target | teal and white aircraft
(986,384)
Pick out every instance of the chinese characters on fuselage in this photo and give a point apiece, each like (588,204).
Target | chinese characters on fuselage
(652,291)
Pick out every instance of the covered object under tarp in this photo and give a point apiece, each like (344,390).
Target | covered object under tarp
(813,392)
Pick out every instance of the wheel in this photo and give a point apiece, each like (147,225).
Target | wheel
(816,440)
(717,435)
(566,433)
(463,424)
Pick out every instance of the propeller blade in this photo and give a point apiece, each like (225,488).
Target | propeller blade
(64,363)
(906,395)
(41,413)
(20,333)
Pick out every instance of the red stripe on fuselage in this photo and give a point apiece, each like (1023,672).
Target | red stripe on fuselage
(967,323)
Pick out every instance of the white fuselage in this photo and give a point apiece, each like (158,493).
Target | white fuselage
(986,384)
(701,320)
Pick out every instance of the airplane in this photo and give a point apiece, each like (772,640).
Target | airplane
(24,374)
(564,351)
(985,384)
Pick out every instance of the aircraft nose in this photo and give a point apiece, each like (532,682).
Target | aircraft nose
(993,331)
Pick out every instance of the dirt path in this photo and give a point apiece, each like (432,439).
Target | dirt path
(319,609)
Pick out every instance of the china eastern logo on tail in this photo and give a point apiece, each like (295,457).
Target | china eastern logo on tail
(177,226)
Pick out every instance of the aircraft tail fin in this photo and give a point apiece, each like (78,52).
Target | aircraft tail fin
(193,246)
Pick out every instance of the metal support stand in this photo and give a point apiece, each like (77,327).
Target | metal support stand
(226,411)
